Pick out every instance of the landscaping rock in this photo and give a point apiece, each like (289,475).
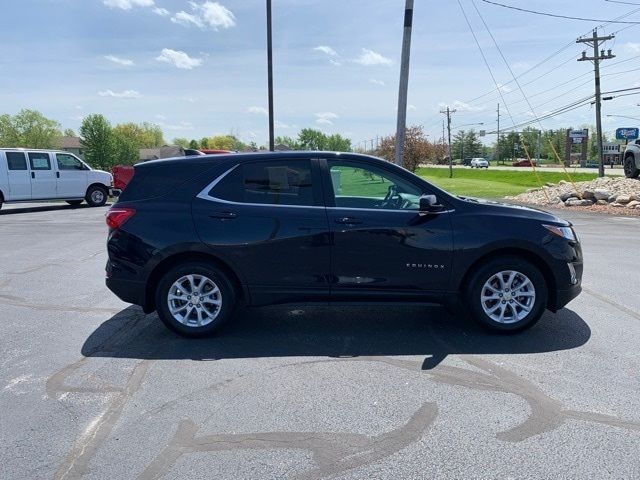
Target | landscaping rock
(602,202)
(601,194)
(611,199)
(623,199)
(616,204)
(576,202)
(566,196)
(588,194)
(633,204)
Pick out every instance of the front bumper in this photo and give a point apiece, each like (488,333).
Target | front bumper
(114,192)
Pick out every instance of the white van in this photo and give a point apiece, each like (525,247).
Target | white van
(32,174)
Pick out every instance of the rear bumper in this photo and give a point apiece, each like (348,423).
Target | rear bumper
(127,290)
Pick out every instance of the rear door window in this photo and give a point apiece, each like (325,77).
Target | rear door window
(278,182)
(39,161)
(16,161)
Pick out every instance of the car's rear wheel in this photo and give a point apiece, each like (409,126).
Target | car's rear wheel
(96,196)
(630,169)
(507,294)
(74,203)
(195,299)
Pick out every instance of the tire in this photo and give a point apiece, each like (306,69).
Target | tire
(74,203)
(518,312)
(96,196)
(630,169)
(195,318)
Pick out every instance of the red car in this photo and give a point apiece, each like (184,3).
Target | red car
(524,163)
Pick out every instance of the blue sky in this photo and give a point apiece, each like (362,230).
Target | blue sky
(199,68)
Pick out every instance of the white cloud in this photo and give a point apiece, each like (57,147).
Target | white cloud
(325,118)
(124,94)
(504,88)
(161,117)
(258,110)
(279,124)
(334,62)
(128,4)
(632,47)
(326,49)
(182,126)
(412,108)
(521,66)
(178,59)
(462,107)
(369,58)
(184,18)
(120,61)
(163,12)
(207,14)
(375,81)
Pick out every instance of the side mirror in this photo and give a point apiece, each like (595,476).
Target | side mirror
(429,203)
(638,142)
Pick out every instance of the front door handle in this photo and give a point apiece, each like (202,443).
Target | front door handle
(33,174)
(57,174)
(348,221)
(224,215)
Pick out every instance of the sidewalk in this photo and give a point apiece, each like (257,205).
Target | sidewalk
(617,171)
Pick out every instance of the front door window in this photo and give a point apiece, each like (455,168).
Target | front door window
(356,185)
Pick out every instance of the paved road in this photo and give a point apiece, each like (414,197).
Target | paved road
(618,171)
(93,388)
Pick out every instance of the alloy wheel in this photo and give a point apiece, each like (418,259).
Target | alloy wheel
(194,300)
(508,297)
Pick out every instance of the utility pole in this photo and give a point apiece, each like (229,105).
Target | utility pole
(448,111)
(404,82)
(270,76)
(498,142)
(538,147)
(597,56)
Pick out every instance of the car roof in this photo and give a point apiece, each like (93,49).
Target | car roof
(22,149)
(245,157)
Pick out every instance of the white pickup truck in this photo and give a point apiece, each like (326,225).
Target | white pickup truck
(31,174)
(632,160)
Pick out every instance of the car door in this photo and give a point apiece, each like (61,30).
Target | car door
(266,217)
(19,177)
(43,177)
(382,244)
(71,176)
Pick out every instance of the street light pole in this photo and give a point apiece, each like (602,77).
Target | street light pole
(270,76)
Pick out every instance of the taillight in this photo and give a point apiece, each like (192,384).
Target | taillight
(117,216)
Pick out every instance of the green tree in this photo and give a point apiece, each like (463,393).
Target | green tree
(29,129)
(204,143)
(125,151)
(337,143)
(97,139)
(69,133)
(291,143)
(222,142)
(181,142)
(194,144)
(311,139)
(144,135)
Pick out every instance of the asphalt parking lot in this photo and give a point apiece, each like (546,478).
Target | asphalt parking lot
(93,388)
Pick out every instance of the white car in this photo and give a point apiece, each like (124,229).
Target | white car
(32,174)
(479,163)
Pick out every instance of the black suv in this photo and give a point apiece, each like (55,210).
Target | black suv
(192,238)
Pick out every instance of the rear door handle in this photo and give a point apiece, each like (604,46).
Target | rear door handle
(224,215)
(348,220)
(33,174)
(57,174)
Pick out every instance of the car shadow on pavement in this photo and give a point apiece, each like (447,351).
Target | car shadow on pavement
(43,208)
(331,332)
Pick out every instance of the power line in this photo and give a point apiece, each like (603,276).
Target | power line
(556,15)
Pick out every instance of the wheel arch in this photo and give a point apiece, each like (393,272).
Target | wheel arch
(171,261)
(528,255)
(99,185)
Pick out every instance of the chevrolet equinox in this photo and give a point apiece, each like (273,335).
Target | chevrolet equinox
(193,238)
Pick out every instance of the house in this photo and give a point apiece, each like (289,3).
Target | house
(612,152)
(168,151)
(72,145)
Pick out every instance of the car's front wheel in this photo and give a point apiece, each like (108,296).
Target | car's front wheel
(507,294)
(195,299)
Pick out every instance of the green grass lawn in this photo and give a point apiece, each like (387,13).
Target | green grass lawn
(489,183)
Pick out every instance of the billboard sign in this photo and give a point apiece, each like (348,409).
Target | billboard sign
(627,133)
(578,133)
